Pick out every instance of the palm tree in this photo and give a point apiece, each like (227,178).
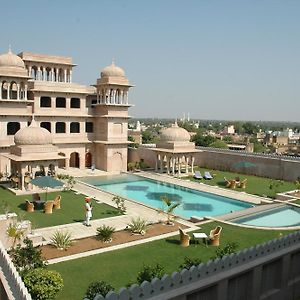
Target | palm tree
(168,209)
(15,232)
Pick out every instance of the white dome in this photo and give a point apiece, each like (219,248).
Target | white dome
(33,135)
(113,71)
(11,60)
(174,134)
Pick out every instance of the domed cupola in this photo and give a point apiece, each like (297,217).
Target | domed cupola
(174,134)
(12,65)
(112,71)
(33,135)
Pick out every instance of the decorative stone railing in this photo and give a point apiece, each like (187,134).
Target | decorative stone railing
(266,271)
(10,279)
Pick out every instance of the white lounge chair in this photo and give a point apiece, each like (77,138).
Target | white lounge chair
(198,175)
(207,175)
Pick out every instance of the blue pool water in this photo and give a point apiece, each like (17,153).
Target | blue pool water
(149,192)
(279,217)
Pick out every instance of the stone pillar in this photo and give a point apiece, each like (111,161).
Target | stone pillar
(67,127)
(161,163)
(56,75)
(168,165)
(25,92)
(82,161)
(29,71)
(8,91)
(156,163)
(67,164)
(173,165)
(186,164)
(65,75)
(44,74)
(70,76)
(179,166)
(68,103)
(52,75)
(193,160)
(18,91)
(1,90)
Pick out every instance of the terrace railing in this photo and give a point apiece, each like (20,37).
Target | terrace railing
(267,271)
(12,286)
(244,153)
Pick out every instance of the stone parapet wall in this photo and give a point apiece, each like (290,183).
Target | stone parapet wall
(267,271)
(264,165)
(12,286)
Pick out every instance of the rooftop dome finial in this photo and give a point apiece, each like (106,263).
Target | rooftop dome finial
(33,123)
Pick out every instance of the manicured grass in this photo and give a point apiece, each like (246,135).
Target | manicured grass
(255,185)
(72,209)
(122,266)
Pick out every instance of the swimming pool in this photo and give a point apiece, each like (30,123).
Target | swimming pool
(286,216)
(149,192)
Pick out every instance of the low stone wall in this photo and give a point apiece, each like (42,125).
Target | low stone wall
(271,166)
(268,271)
(12,286)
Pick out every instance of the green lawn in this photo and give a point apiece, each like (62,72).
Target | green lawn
(72,209)
(255,185)
(121,266)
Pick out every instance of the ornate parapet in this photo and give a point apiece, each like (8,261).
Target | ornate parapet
(270,269)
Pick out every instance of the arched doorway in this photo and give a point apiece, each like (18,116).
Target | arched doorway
(74,160)
(88,160)
(116,162)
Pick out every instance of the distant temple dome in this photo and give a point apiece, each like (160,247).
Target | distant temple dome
(33,135)
(112,71)
(174,134)
(11,60)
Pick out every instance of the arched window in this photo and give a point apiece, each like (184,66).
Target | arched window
(4,88)
(34,73)
(74,127)
(13,90)
(46,125)
(12,128)
(75,103)
(89,127)
(45,101)
(61,102)
(60,127)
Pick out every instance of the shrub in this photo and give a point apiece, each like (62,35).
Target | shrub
(15,232)
(28,257)
(98,287)
(43,284)
(104,233)
(61,240)
(120,202)
(189,262)
(228,249)
(148,273)
(138,225)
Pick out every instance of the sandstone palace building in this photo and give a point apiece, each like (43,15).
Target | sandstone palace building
(46,117)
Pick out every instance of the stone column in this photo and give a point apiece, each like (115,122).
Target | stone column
(161,163)
(186,164)
(29,71)
(70,76)
(1,90)
(56,73)
(173,165)
(65,75)
(179,166)
(193,160)
(44,74)
(25,92)
(67,127)
(67,163)
(18,91)
(68,103)
(8,91)
(52,75)
(156,163)
(168,165)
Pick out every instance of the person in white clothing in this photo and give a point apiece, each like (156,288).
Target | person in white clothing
(88,211)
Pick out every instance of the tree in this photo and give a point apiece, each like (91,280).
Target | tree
(15,232)
(219,144)
(43,284)
(148,273)
(169,208)
(28,257)
(201,140)
(250,128)
(228,139)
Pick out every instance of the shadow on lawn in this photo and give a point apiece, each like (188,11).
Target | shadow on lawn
(173,241)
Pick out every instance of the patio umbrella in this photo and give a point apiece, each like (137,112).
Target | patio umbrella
(46,182)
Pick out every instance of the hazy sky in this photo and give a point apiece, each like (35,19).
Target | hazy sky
(215,59)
